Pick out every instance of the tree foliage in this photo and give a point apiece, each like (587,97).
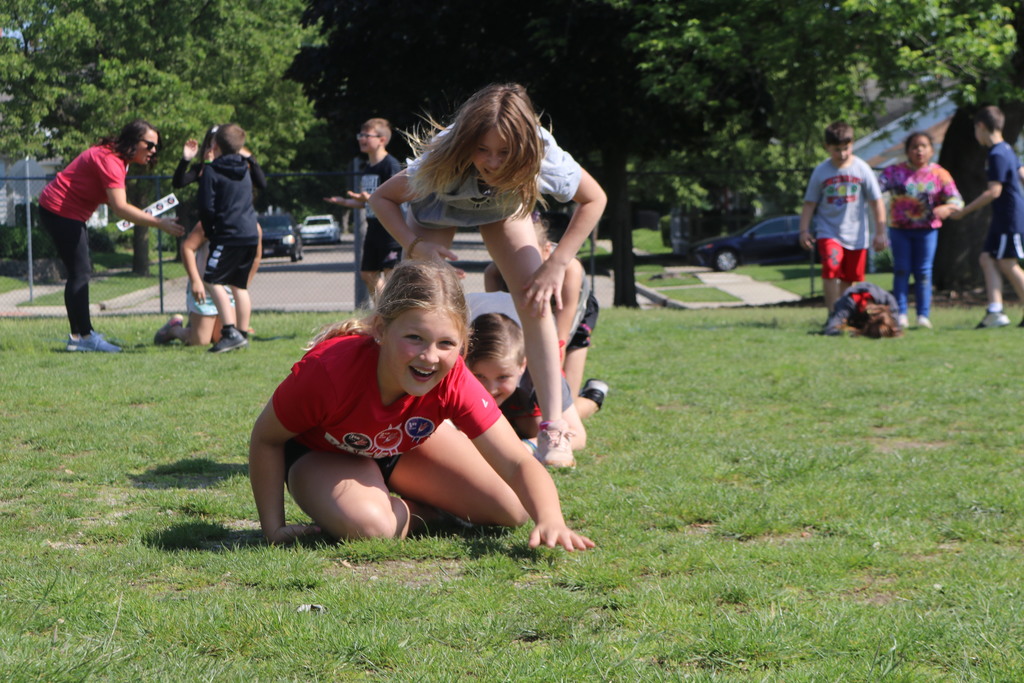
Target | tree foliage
(806,62)
(74,70)
(690,92)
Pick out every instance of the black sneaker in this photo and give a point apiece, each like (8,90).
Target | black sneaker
(230,339)
(595,390)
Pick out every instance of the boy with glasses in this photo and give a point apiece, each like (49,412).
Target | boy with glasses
(380,250)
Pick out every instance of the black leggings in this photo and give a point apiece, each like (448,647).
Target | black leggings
(72,242)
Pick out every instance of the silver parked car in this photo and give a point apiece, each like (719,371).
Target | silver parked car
(324,229)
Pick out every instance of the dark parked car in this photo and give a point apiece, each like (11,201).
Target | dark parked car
(281,236)
(767,241)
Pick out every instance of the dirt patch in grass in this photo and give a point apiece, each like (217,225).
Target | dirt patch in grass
(875,591)
(887,445)
(405,572)
(789,537)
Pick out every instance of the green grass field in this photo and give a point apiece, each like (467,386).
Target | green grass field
(768,505)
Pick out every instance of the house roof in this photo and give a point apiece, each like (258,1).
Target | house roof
(885,145)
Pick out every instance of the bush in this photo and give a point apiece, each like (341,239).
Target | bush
(883,261)
(14,242)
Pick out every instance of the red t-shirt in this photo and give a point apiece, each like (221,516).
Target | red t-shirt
(82,185)
(331,401)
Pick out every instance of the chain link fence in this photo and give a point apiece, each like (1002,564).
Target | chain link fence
(327,275)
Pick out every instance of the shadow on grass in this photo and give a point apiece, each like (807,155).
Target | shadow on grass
(191,473)
(795,272)
(213,537)
(202,536)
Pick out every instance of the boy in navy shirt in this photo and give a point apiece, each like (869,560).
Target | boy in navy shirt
(1003,244)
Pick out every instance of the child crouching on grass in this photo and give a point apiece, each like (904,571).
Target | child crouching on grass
(365,414)
(497,357)
(865,309)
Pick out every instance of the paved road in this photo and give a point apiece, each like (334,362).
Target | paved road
(323,281)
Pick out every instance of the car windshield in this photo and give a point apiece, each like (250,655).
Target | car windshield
(275,223)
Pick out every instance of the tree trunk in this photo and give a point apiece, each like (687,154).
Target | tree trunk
(956,258)
(617,216)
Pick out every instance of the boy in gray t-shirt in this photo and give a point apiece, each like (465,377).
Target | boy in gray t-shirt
(838,196)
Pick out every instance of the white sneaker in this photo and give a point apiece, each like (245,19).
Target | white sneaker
(94,342)
(554,447)
(993,320)
(923,321)
(903,321)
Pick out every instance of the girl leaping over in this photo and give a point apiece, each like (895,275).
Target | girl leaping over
(489,169)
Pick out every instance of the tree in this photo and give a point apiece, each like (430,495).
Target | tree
(72,71)
(402,58)
(956,259)
(824,53)
(650,84)
(971,49)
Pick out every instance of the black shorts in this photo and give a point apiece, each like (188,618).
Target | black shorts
(380,250)
(581,338)
(1004,244)
(230,264)
(293,450)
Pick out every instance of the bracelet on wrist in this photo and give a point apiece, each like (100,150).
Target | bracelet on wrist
(412,245)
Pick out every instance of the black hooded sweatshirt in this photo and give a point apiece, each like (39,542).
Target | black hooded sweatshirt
(225,202)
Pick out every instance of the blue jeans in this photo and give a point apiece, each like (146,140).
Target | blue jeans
(913,251)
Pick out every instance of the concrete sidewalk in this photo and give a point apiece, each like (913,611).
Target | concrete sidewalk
(748,291)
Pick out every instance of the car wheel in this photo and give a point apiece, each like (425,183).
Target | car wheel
(295,255)
(727,259)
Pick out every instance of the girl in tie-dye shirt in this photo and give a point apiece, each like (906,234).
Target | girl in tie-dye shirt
(923,195)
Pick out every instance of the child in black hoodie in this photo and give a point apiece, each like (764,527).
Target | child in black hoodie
(227,215)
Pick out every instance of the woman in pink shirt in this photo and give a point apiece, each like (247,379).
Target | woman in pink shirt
(96,176)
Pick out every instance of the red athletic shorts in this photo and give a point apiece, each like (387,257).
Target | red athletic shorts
(840,263)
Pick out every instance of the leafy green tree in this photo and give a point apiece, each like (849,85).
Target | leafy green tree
(809,62)
(72,71)
(695,86)
(402,58)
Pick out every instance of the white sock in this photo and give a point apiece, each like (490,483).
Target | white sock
(995,308)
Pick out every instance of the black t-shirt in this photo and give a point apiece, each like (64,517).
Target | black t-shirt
(373,176)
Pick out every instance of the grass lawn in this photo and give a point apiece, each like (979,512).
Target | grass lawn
(797,277)
(106,285)
(768,505)
(9,284)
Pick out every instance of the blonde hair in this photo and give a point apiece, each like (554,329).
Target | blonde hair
(497,337)
(381,127)
(505,108)
(413,285)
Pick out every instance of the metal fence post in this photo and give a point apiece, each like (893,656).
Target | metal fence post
(362,295)
(28,228)
(160,254)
